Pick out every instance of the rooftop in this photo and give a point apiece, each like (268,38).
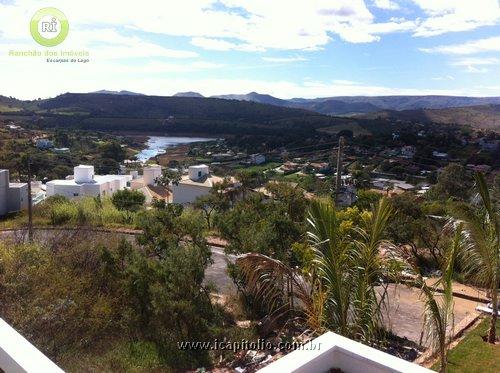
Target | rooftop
(331,350)
(98,179)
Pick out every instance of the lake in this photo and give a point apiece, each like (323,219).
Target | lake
(159,144)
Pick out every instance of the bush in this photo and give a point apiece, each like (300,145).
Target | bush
(129,200)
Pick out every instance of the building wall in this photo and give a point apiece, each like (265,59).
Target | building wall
(18,198)
(4,189)
(68,191)
(12,198)
(183,193)
(71,191)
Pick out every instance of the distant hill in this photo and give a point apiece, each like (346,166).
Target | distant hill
(98,111)
(127,93)
(481,116)
(337,107)
(349,105)
(256,97)
(188,94)
(417,102)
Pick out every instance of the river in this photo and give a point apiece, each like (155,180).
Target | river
(158,145)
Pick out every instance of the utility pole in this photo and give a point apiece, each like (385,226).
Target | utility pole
(30,204)
(338,181)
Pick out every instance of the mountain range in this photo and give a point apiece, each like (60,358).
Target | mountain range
(350,105)
(478,112)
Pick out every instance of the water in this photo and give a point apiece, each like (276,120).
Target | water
(158,145)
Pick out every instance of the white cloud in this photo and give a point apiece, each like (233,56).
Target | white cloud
(446,16)
(474,69)
(476,61)
(471,47)
(284,59)
(446,77)
(386,4)
(223,45)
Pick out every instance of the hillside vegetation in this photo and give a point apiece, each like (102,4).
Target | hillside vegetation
(172,114)
(484,116)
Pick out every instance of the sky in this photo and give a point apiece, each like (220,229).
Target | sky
(286,48)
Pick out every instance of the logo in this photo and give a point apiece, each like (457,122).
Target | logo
(49,27)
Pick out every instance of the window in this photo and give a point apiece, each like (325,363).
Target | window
(75,194)
(199,174)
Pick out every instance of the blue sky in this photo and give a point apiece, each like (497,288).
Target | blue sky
(295,48)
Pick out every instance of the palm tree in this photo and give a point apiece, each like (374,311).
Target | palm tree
(481,254)
(438,311)
(339,292)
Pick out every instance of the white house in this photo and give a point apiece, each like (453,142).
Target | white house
(13,196)
(150,174)
(198,182)
(148,186)
(85,183)
(44,143)
(257,158)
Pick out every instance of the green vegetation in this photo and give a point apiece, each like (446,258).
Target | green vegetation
(472,355)
(90,293)
(129,200)
(59,211)
(259,167)
(438,309)
(482,245)
(338,290)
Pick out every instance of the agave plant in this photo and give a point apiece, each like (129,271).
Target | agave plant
(481,254)
(339,292)
(438,310)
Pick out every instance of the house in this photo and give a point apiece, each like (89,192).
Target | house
(408,151)
(13,196)
(331,352)
(381,183)
(289,167)
(60,150)
(257,158)
(85,183)
(198,182)
(484,168)
(44,144)
(147,184)
(320,167)
(489,145)
(439,154)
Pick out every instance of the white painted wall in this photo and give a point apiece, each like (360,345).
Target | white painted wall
(183,193)
(197,172)
(331,350)
(150,174)
(4,190)
(17,355)
(13,196)
(83,174)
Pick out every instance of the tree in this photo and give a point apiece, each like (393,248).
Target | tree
(258,225)
(113,150)
(169,177)
(367,198)
(216,201)
(417,227)
(339,290)
(126,199)
(481,255)
(438,314)
(453,181)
